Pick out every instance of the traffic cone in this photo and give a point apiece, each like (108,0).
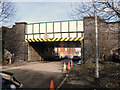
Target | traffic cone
(71,63)
(64,69)
(51,85)
(10,61)
(68,66)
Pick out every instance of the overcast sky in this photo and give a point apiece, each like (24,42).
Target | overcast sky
(43,11)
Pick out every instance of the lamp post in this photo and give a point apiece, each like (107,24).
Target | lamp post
(96,45)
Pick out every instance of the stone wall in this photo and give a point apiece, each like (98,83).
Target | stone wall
(89,39)
(14,41)
(33,55)
(108,38)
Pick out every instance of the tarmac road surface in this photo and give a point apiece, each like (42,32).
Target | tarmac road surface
(38,74)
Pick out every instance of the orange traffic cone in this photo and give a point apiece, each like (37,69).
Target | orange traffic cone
(64,69)
(51,85)
(10,61)
(71,63)
(68,66)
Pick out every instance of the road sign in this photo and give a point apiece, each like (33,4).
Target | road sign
(46,36)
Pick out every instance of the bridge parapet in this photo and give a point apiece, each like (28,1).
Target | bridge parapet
(56,31)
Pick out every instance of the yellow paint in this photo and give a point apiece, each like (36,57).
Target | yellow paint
(62,39)
(53,39)
(67,38)
(58,39)
(26,40)
(81,39)
(76,39)
(49,40)
(33,40)
(71,39)
(36,40)
(29,40)
(40,40)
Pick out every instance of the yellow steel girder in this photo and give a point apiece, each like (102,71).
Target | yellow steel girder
(55,39)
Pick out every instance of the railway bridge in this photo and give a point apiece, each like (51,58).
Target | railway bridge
(58,38)
(45,40)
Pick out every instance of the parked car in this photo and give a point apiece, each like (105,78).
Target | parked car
(67,57)
(57,58)
(116,57)
(76,58)
(9,81)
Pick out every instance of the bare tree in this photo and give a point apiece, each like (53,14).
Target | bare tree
(7,19)
(7,13)
(106,9)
